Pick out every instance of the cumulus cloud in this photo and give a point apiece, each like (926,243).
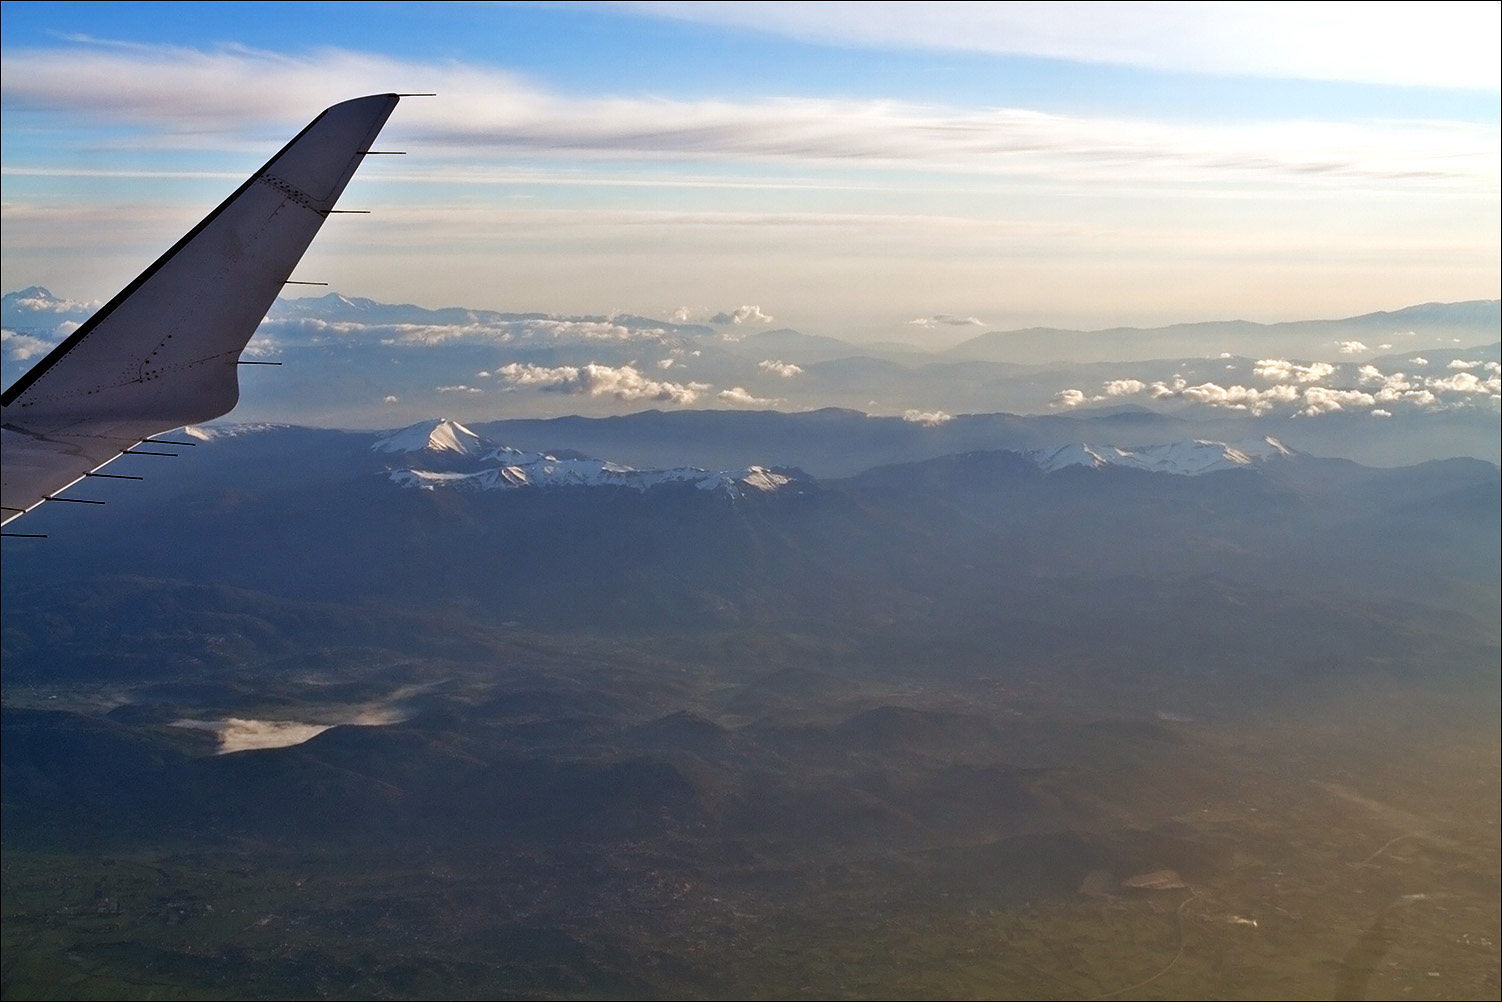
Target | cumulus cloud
(1316,389)
(1324,400)
(740,395)
(1460,363)
(1379,412)
(946,320)
(461,388)
(23,346)
(931,419)
(1240,398)
(742,315)
(1395,387)
(1419,360)
(263,345)
(1464,382)
(623,382)
(1281,369)
(45,302)
(1351,347)
(664,363)
(783,369)
(390,398)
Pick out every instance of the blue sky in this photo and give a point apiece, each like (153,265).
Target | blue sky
(849,168)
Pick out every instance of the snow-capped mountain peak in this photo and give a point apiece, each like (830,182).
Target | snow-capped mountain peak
(1186,459)
(440,435)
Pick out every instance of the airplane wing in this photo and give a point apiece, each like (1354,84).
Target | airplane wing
(163,353)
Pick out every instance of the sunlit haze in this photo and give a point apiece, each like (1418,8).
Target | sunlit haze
(868,173)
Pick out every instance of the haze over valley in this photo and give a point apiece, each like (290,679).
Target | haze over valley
(591,728)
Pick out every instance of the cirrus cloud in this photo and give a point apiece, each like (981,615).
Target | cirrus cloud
(178,96)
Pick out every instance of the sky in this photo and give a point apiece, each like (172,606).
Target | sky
(877,172)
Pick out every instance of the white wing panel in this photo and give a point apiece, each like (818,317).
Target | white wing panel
(163,353)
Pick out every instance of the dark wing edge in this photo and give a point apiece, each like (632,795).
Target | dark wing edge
(164,351)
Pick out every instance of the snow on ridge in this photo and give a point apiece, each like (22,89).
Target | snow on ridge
(1185,459)
(545,471)
(465,461)
(210,432)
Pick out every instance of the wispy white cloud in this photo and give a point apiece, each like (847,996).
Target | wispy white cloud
(1447,45)
(234,96)
(946,320)
(740,396)
(783,369)
(929,419)
(526,331)
(1351,347)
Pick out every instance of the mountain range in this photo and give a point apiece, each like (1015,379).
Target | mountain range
(1427,375)
(438,508)
(450,710)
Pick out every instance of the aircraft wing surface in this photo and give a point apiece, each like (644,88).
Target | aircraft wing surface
(164,352)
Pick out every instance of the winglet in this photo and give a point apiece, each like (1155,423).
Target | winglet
(163,352)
